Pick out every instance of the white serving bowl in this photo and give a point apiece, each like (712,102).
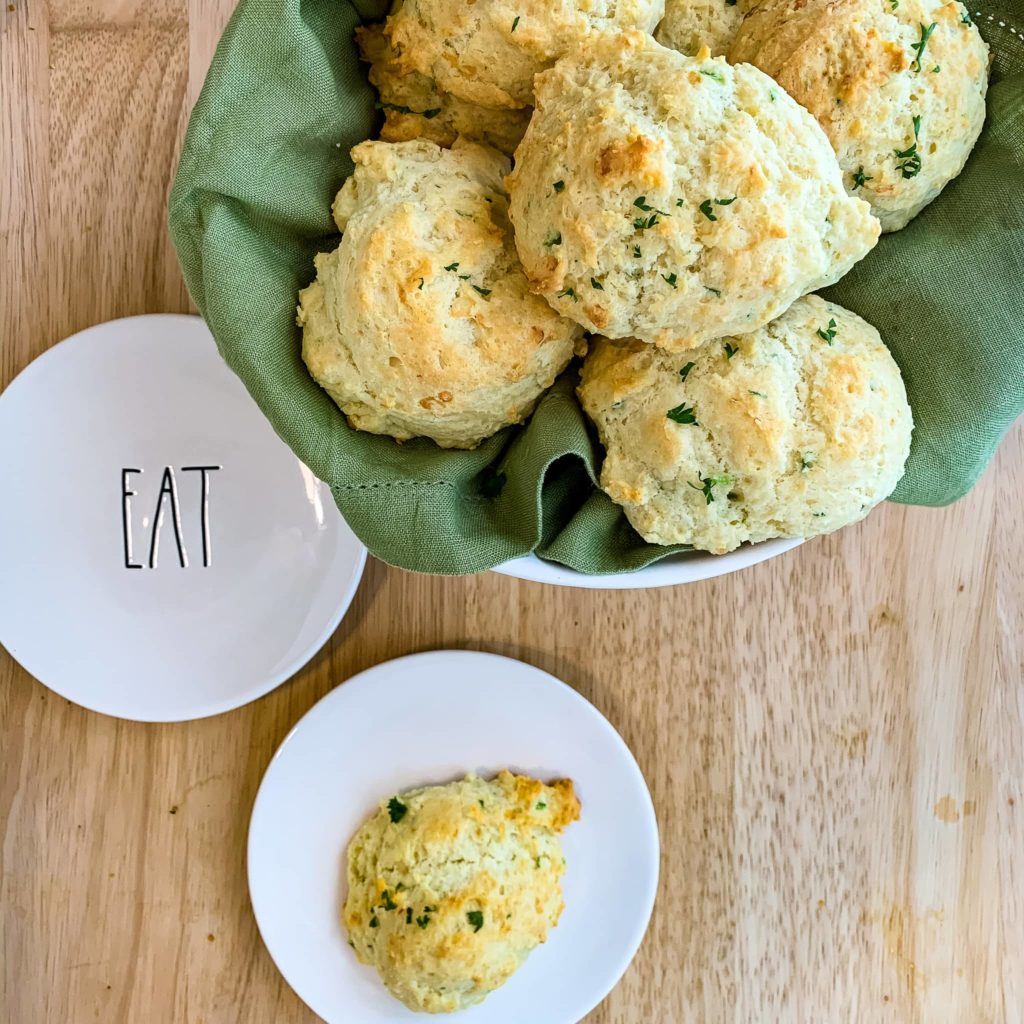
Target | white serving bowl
(688,567)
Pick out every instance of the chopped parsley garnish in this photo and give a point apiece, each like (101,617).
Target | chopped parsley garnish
(536,863)
(483,291)
(540,806)
(569,293)
(680,202)
(636,251)
(480,802)
(476,919)
(423,921)
(715,74)
(708,482)
(919,46)
(670,278)
(421,285)
(730,350)
(641,203)
(759,394)
(685,371)
(491,485)
(374,922)
(860,178)
(515,23)
(806,461)
(772,95)
(558,185)
(555,239)
(910,160)
(387,902)
(714,291)
(708,212)
(936,69)
(640,224)
(893,4)
(408,915)
(594,283)
(827,333)
(682,414)
(452,266)
(396,809)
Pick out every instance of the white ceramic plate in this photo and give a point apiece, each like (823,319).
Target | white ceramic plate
(689,567)
(252,567)
(431,718)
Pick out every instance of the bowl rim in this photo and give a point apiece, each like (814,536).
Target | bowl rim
(688,567)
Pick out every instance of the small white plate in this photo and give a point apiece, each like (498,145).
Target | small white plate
(687,567)
(252,567)
(430,718)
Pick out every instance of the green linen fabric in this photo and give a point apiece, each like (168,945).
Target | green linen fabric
(267,149)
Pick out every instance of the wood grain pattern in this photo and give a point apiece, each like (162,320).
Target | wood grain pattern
(834,740)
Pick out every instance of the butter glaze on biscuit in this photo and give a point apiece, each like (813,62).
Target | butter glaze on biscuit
(676,199)
(451,887)
(793,430)
(421,322)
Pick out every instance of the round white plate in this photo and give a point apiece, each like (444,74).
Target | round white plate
(164,555)
(688,567)
(431,718)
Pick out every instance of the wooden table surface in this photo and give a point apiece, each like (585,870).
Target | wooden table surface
(834,740)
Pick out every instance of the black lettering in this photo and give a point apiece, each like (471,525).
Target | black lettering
(204,507)
(126,519)
(167,488)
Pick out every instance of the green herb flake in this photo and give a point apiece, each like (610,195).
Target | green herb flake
(827,333)
(715,74)
(540,805)
(423,921)
(893,4)
(559,185)
(706,483)
(682,414)
(636,251)
(670,279)
(480,802)
(730,350)
(706,209)
(515,23)
(421,285)
(919,46)
(680,202)
(387,902)
(772,95)
(730,3)
(408,915)
(396,810)
(569,293)
(374,922)
(536,863)
(641,203)
(965,18)
(910,160)
(860,178)
(555,239)
(483,291)
(757,394)
(725,202)
(685,371)
(807,460)
(594,283)
(476,919)
(452,266)
(714,291)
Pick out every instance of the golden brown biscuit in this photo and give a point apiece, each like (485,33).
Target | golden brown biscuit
(676,199)
(451,887)
(690,24)
(415,108)
(899,89)
(795,429)
(488,51)
(421,322)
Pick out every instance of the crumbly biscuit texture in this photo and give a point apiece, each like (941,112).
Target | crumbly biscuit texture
(899,88)
(421,322)
(450,887)
(487,52)
(793,430)
(677,199)
(415,108)
(689,25)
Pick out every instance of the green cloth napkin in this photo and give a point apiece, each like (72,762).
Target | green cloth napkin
(267,149)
